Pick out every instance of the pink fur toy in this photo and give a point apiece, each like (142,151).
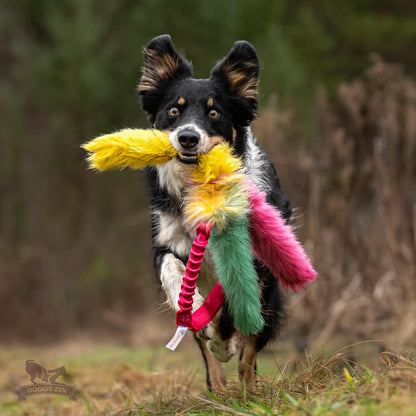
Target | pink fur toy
(275,244)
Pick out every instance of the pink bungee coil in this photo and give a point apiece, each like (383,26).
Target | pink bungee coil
(202,316)
(193,266)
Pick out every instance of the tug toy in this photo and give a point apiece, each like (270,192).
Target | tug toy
(230,215)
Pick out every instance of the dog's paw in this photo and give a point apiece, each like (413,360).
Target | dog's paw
(224,350)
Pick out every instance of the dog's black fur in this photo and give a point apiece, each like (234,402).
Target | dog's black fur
(197,114)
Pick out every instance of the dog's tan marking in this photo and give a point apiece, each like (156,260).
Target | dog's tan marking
(181,101)
(210,102)
(214,140)
(247,365)
(234,133)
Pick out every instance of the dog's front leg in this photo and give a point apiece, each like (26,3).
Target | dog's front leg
(215,377)
(172,271)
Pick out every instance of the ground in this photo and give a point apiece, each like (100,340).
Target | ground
(130,380)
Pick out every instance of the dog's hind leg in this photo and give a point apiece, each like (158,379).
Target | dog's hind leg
(216,380)
(247,366)
(273,315)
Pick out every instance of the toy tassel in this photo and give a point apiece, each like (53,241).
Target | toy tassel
(275,244)
(233,259)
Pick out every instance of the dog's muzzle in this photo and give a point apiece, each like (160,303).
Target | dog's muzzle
(188,140)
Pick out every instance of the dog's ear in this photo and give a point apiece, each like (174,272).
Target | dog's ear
(239,71)
(162,64)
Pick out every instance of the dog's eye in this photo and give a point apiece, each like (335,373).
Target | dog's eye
(173,112)
(213,113)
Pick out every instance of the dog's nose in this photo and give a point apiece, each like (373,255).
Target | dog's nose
(188,139)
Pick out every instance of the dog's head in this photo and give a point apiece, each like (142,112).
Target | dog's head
(199,113)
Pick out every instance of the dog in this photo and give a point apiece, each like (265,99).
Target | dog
(198,114)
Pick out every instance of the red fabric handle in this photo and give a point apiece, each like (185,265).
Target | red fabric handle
(204,314)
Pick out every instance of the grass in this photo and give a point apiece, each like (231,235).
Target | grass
(127,381)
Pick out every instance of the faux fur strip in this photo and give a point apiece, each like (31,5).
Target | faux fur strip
(232,255)
(136,148)
(275,244)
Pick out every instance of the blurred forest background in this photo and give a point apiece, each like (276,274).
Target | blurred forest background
(337,116)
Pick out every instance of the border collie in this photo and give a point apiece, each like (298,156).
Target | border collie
(197,114)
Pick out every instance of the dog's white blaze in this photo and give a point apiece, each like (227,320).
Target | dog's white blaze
(174,177)
(171,274)
(172,234)
(254,164)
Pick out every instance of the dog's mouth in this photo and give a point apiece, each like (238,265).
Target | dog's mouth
(188,158)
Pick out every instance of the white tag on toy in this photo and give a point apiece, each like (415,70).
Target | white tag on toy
(177,338)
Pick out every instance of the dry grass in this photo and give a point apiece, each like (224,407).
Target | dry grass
(152,381)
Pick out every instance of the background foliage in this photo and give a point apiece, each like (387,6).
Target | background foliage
(75,246)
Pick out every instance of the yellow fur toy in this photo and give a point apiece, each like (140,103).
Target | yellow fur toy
(136,148)
(218,195)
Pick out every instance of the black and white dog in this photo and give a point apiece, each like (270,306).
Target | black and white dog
(197,114)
